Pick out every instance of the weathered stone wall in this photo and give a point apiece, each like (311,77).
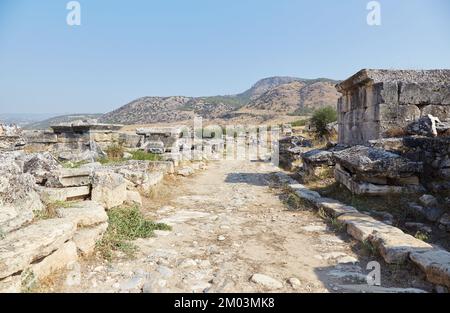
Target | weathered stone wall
(434,153)
(77,146)
(382,103)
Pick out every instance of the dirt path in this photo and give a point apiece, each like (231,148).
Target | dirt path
(229,223)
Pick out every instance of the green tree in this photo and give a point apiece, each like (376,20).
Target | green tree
(321,118)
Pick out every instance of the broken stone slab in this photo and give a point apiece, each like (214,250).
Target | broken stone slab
(185,171)
(18,199)
(26,245)
(68,177)
(52,195)
(11,284)
(361,188)
(58,260)
(39,165)
(134,197)
(395,247)
(109,189)
(84,214)
(444,222)
(430,214)
(435,263)
(266,282)
(376,162)
(334,207)
(428,200)
(85,239)
(425,126)
(161,166)
(361,226)
(318,157)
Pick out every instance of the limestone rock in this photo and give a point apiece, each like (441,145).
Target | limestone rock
(318,157)
(69,177)
(18,199)
(435,263)
(52,195)
(425,126)
(266,282)
(134,197)
(109,189)
(84,214)
(361,226)
(21,247)
(428,200)
(430,214)
(445,221)
(395,247)
(185,171)
(59,259)
(334,207)
(376,162)
(39,165)
(86,238)
(11,284)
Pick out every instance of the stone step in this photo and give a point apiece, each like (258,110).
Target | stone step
(69,178)
(435,263)
(361,226)
(26,245)
(395,247)
(84,214)
(51,195)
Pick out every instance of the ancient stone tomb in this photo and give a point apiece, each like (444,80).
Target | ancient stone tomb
(383,103)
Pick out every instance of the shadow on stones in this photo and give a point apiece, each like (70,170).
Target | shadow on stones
(255,179)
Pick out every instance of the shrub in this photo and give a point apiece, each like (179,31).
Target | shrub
(321,118)
(299,123)
(125,224)
(115,152)
(145,156)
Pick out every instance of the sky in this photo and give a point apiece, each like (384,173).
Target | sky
(124,50)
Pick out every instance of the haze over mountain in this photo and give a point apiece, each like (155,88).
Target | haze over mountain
(274,95)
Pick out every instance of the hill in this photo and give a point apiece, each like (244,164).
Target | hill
(45,124)
(277,95)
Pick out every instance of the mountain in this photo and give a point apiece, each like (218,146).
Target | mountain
(22,119)
(45,124)
(276,95)
(296,96)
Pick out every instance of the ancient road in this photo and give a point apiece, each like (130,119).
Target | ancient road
(229,223)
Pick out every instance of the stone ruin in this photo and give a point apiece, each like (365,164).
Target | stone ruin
(80,140)
(11,138)
(378,104)
(401,116)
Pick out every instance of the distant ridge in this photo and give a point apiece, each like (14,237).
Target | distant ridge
(283,95)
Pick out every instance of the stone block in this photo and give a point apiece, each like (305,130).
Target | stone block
(436,265)
(84,214)
(395,247)
(20,248)
(85,239)
(361,226)
(51,195)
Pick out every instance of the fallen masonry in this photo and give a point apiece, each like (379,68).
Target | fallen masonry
(394,246)
(365,170)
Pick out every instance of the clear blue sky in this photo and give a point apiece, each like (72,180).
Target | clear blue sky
(127,49)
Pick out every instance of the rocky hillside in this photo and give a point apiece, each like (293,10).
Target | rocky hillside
(281,95)
(296,96)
